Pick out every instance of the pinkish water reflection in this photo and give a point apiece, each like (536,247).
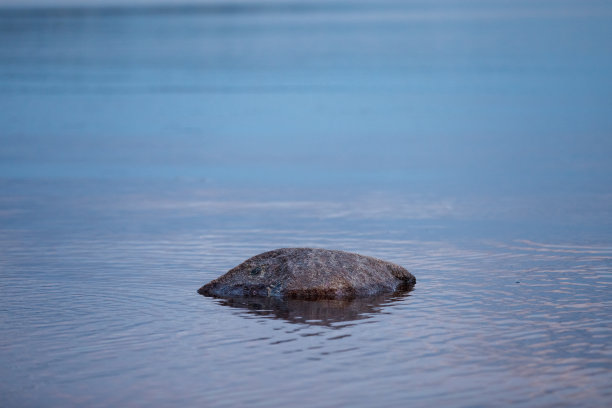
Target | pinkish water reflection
(100,308)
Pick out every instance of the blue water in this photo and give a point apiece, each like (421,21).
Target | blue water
(146,150)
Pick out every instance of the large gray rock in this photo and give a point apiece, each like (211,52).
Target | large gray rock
(309,273)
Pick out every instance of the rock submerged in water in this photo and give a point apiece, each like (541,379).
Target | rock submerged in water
(310,273)
(319,312)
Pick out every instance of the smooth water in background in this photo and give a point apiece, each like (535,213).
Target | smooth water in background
(145,151)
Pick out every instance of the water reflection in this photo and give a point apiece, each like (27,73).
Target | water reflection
(325,312)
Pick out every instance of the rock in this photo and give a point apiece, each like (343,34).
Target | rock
(310,273)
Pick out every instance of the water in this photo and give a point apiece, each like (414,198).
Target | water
(145,151)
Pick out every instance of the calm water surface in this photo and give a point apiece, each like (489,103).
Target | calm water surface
(100,306)
(145,151)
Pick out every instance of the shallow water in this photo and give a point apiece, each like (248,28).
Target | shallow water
(100,307)
(144,152)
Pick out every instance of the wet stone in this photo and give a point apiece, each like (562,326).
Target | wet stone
(310,273)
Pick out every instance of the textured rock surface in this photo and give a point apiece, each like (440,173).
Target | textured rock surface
(308,273)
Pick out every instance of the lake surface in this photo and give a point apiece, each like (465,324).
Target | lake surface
(147,150)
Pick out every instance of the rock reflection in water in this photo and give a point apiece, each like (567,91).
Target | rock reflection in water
(324,312)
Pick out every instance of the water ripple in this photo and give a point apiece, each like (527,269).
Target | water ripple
(100,309)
